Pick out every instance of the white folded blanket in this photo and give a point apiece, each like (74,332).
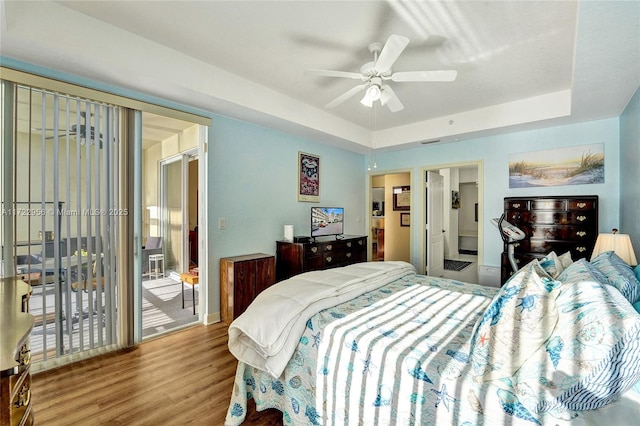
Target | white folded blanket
(267,333)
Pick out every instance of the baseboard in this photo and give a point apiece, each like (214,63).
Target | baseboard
(212,318)
(489,275)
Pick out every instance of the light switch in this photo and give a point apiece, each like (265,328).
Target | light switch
(222,223)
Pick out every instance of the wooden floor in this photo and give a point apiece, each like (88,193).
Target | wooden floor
(181,378)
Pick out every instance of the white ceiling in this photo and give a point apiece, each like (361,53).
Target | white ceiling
(521,64)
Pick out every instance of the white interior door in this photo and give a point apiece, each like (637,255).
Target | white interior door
(434,256)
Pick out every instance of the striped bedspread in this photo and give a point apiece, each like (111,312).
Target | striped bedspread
(397,355)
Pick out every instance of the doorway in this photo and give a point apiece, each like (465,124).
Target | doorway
(389,213)
(170,187)
(461,212)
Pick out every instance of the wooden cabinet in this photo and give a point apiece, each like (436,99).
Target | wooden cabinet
(323,253)
(242,278)
(558,223)
(15,357)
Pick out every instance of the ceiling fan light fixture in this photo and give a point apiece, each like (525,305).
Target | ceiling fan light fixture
(367,100)
(374,92)
(384,97)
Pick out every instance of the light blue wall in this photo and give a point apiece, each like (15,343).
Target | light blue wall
(494,152)
(253,185)
(630,171)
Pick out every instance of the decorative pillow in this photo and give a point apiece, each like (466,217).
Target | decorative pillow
(592,356)
(619,274)
(552,264)
(565,259)
(516,323)
(582,270)
(637,272)
(636,306)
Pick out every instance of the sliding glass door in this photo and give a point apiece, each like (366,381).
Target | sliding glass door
(61,211)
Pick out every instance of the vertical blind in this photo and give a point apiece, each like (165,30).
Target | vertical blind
(65,218)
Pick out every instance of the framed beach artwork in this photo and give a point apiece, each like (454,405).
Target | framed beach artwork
(308,177)
(577,165)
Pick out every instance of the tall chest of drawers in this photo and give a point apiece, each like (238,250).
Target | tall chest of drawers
(323,253)
(15,377)
(554,223)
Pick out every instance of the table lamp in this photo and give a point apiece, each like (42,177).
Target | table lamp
(618,243)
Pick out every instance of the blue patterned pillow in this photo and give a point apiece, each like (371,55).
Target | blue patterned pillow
(592,356)
(516,323)
(619,274)
(582,270)
(552,264)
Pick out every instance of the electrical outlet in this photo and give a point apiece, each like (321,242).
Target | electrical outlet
(222,223)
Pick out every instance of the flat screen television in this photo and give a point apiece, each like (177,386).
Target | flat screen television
(327,221)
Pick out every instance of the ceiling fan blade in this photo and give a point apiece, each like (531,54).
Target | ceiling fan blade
(446,75)
(346,95)
(392,49)
(343,74)
(390,99)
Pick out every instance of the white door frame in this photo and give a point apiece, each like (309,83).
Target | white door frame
(422,237)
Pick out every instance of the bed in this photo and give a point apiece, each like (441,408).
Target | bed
(377,344)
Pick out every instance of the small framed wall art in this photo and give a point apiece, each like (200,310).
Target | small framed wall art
(455,199)
(402,198)
(405,219)
(308,177)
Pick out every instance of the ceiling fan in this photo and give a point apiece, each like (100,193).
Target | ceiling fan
(77,129)
(376,73)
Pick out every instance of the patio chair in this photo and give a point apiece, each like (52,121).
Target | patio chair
(153,245)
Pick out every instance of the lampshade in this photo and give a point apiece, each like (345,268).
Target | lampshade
(618,243)
(371,95)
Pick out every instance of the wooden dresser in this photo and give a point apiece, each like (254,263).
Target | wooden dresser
(323,253)
(242,278)
(556,223)
(15,357)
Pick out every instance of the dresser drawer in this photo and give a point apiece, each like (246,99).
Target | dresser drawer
(554,218)
(561,232)
(21,400)
(581,205)
(312,249)
(548,204)
(517,205)
(544,247)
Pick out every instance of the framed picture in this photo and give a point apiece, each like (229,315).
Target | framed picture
(455,199)
(405,219)
(402,198)
(308,177)
(576,165)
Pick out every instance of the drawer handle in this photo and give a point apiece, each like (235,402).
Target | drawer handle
(581,249)
(329,259)
(581,218)
(517,260)
(329,247)
(349,244)
(582,205)
(581,233)
(24,357)
(360,242)
(517,205)
(24,397)
(314,249)
(348,254)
